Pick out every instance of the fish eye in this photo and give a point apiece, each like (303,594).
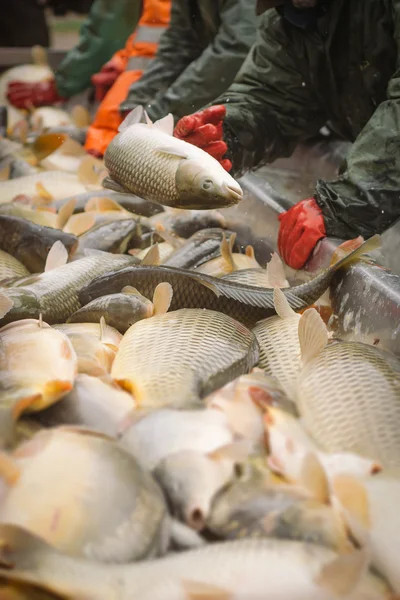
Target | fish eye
(207,184)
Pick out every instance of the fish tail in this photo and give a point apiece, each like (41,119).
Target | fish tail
(373,243)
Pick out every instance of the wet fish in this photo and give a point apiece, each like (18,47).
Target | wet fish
(192,353)
(164,432)
(267,569)
(337,391)
(37,367)
(115,237)
(95,345)
(93,501)
(67,157)
(191,479)
(244,400)
(54,294)
(124,309)
(38,215)
(95,402)
(56,184)
(20,168)
(164,251)
(247,304)
(254,506)
(272,276)
(10,267)
(147,160)
(31,243)
(132,203)
(228,261)
(185,223)
(201,247)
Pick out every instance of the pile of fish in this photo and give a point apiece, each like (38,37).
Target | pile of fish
(176,420)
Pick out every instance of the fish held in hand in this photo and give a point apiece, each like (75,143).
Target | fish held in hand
(348,394)
(38,366)
(145,159)
(192,353)
(265,569)
(93,500)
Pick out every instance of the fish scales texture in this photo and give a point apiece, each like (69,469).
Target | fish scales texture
(349,400)
(176,358)
(55,293)
(141,171)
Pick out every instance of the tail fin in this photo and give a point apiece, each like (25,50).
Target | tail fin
(372,244)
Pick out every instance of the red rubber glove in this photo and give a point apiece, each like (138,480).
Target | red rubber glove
(301,228)
(95,153)
(106,77)
(204,130)
(26,95)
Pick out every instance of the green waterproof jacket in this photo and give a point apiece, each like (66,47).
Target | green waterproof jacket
(346,72)
(198,56)
(106,29)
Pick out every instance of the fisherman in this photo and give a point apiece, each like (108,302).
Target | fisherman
(198,58)
(105,31)
(316,61)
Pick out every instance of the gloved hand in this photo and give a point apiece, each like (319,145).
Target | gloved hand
(204,130)
(301,228)
(106,77)
(25,95)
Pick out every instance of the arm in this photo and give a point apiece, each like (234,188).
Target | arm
(270,106)
(364,199)
(178,47)
(214,70)
(105,31)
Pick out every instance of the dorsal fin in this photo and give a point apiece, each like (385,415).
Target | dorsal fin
(282,306)
(57,256)
(276,272)
(162,298)
(152,257)
(132,118)
(166,124)
(227,248)
(313,335)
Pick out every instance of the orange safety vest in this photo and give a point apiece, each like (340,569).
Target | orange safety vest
(139,50)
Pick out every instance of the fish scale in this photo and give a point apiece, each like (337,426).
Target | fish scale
(176,358)
(349,400)
(54,294)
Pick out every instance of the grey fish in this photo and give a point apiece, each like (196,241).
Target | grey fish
(20,167)
(115,237)
(134,204)
(198,249)
(186,223)
(31,243)
(247,304)
(54,294)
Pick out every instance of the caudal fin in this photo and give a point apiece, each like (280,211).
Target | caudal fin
(373,243)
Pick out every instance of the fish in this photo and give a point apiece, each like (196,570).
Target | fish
(99,211)
(192,353)
(38,366)
(202,246)
(67,157)
(73,509)
(95,344)
(45,185)
(337,394)
(145,159)
(229,261)
(94,402)
(244,400)
(370,508)
(21,207)
(123,310)
(54,294)
(255,506)
(163,250)
(279,343)
(158,434)
(247,304)
(272,276)
(190,479)
(265,568)
(46,117)
(20,167)
(115,237)
(30,243)
(10,267)
(129,202)
(184,223)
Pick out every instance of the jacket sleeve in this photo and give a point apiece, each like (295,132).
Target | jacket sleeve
(178,47)
(215,68)
(105,31)
(365,198)
(270,105)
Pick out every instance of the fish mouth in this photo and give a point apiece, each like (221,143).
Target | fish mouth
(234,192)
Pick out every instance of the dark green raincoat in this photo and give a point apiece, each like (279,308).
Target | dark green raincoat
(106,29)
(346,71)
(198,56)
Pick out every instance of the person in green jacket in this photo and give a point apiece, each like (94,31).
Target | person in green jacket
(317,62)
(197,58)
(106,29)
